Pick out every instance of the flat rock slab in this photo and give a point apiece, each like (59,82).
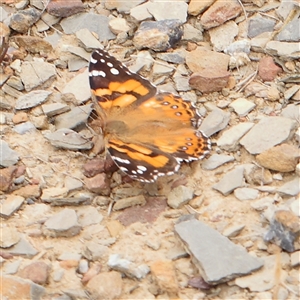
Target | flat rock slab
(262,136)
(76,117)
(217,258)
(79,87)
(65,224)
(230,138)
(230,181)
(215,161)
(11,204)
(93,22)
(22,248)
(32,99)
(215,121)
(8,156)
(68,139)
(37,73)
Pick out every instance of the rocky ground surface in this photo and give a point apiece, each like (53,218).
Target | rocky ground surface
(74,227)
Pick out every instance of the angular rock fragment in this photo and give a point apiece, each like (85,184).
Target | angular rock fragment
(210,249)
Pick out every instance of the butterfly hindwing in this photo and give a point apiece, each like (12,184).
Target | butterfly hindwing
(140,162)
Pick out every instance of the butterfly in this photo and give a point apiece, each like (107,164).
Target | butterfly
(147,133)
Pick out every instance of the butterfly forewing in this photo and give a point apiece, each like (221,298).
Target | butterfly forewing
(113,84)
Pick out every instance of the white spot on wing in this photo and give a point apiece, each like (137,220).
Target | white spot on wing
(124,161)
(98,73)
(93,60)
(114,71)
(142,168)
(123,169)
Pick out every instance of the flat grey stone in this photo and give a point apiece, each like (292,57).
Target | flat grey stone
(74,118)
(9,237)
(295,207)
(263,136)
(180,196)
(127,267)
(291,111)
(230,138)
(11,91)
(8,156)
(159,8)
(259,24)
(242,106)
(64,224)
(291,188)
(140,12)
(259,42)
(94,250)
(53,109)
(37,73)
(88,39)
(233,230)
(240,46)
(79,86)
(25,127)
(53,39)
(75,64)
(222,36)
(143,60)
(289,93)
(93,22)
(176,252)
(217,258)
(11,204)
(215,161)
(285,8)
(80,52)
(215,121)
(288,33)
(285,50)
(122,6)
(191,34)
(68,139)
(32,99)
(176,57)
(230,181)
(16,83)
(246,193)
(11,268)
(295,259)
(3,14)
(22,248)
(89,216)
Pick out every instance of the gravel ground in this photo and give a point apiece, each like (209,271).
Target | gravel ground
(73,226)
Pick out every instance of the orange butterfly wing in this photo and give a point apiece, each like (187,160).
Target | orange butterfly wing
(148,134)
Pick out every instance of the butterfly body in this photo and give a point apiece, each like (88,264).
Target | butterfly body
(148,134)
